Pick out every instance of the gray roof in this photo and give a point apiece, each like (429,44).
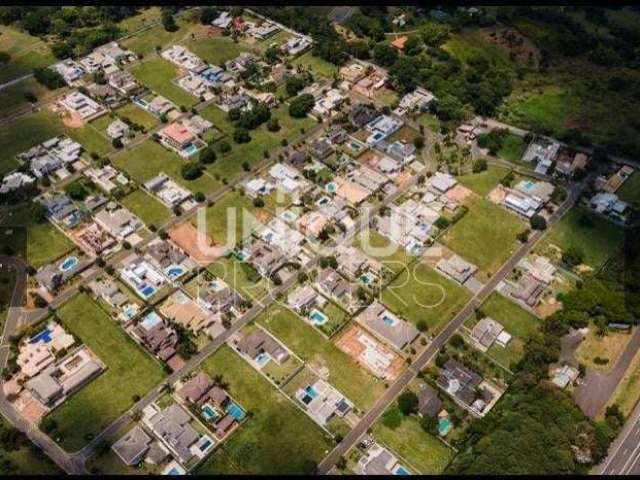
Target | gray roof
(132,446)
(428,402)
(44,387)
(378,319)
(172,425)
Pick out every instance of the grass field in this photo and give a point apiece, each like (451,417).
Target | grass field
(27,52)
(228,165)
(607,348)
(91,137)
(147,208)
(317,65)
(130,371)
(596,237)
(482,183)
(217,50)
(27,459)
(423,452)
(630,189)
(148,159)
(24,133)
(137,115)
(521,324)
(241,277)
(396,259)
(145,42)
(43,243)
(422,295)
(12,97)
(512,149)
(277,438)
(7,282)
(157,74)
(485,224)
(627,393)
(354,382)
(145,17)
(430,121)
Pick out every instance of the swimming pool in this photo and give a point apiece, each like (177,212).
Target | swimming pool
(317,317)
(400,470)
(242,255)
(190,149)
(235,411)
(174,271)
(44,336)
(444,426)
(262,359)
(355,146)
(150,321)
(130,312)
(388,320)
(69,263)
(205,444)
(367,278)
(146,291)
(331,187)
(209,413)
(312,392)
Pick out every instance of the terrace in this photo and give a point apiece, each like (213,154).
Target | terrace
(187,312)
(78,104)
(322,402)
(141,276)
(119,222)
(167,191)
(387,326)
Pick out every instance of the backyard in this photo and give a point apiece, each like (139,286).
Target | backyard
(130,374)
(241,277)
(147,208)
(158,74)
(482,183)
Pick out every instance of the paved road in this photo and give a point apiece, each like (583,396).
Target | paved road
(443,337)
(624,453)
(596,388)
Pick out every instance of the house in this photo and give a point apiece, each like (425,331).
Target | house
(64,377)
(160,106)
(296,45)
(182,309)
(418,100)
(362,114)
(61,209)
(371,83)
(266,259)
(172,426)
(79,104)
(47,157)
(241,63)
(217,297)
(223,20)
(164,255)
(195,388)
(109,292)
(328,103)
(400,42)
(379,461)
(402,151)
(539,191)
(331,284)
(39,351)
(528,290)
(564,375)
(609,205)
(183,58)
(616,180)
(429,405)
(168,191)
(159,338)
(70,71)
(118,129)
(322,402)
(336,135)
(382,127)
(567,165)
(264,30)
(288,179)
(352,73)
(540,268)
(321,148)
(487,331)
(354,263)
(278,234)
(94,239)
(123,82)
(132,447)
(442,182)
(141,276)
(312,224)
(104,177)
(259,343)
(117,220)
(302,298)
(15,181)
(464,386)
(456,268)
(387,326)
(181,139)
(542,153)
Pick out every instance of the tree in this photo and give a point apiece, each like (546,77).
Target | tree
(4,58)
(168,22)
(117,143)
(200,197)
(418,142)
(258,202)
(384,54)
(241,135)
(294,84)
(413,46)
(224,147)
(191,170)
(537,222)
(435,34)
(208,15)
(273,125)
(301,105)
(572,256)
(207,156)
(408,403)
(448,108)
(480,165)
(49,78)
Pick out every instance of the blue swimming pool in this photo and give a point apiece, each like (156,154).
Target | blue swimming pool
(190,149)
(174,271)
(400,470)
(205,444)
(312,392)
(262,359)
(209,413)
(150,320)
(331,187)
(241,255)
(366,278)
(146,291)
(317,317)
(444,426)
(235,411)
(388,320)
(44,337)
(69,263)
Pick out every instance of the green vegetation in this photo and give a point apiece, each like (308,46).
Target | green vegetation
(317,65)
(147,208)
(137,115)
(419,449)
(482,183)
(241,277)
(129,372)
(630,189)
(422,296)
(91,139)
(485,224)
(217,50)
(27,52)
(157,74)
(354,382)
(277,438)
(580,229)
(396,259)
(13,97)
(18,456)
(144,43)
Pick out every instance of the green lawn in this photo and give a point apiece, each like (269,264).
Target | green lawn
(27,52)
(158,75)
(430,121)
(145,17)
(277,438)
(217,50)
(594,236)
(219,118)
(130,371)
(316,64)
(27,459)
(421,294)
(147,208)
(421,450)
(44,242)
(12,97)
(344,374)
(137,115)
(148,159)
(392,256)
(513,146)
(521,324)
(91,137)
(146,42)
(482,183)
(241,277)
(484,225)
(24,133)
(630,189)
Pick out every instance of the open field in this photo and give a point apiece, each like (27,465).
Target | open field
(146,42)
(512,149)
(421,450)
(92,139)
(343,373)
(277,438)
(216,50)
(130,372)
(147,208)
(606,348)
(240,276)
(27,52)
(24,133)
(146,16)
(137,115)
(396,259)
(12,97)
(482,183)
(317,65)
(485,224)
(521,324)
(157,74)
(148,159)
(422,295)
(7,282)
(594,236)
(630,189)
(627,393)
